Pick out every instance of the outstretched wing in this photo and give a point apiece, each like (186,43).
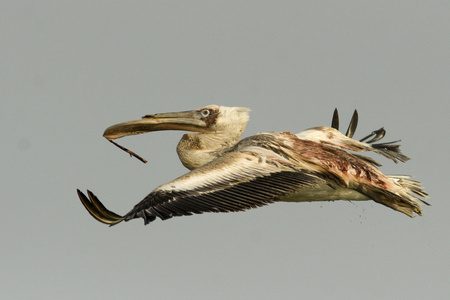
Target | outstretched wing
(237,181)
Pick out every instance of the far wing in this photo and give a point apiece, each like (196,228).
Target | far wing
(332,136)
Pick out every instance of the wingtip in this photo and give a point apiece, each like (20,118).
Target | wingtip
(353,124)
(97,210)
(335,120)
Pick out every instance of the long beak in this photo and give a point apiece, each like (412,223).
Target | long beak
(185,120)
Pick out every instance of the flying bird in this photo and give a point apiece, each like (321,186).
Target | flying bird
(228,174)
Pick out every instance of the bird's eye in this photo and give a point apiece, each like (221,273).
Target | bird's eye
(205,113)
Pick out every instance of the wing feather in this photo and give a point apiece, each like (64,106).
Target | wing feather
(237,181)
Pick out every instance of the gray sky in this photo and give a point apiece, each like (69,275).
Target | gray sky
(71,69)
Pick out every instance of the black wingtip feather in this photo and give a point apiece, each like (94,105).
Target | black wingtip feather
(377,135)
(335,120)
(97,210)
(353,124)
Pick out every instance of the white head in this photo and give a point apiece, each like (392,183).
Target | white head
(222,119)
(220,128)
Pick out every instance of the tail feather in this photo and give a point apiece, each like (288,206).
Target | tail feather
(413,187)
(408,199)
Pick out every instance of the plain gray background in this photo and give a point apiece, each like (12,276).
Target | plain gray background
(69,69)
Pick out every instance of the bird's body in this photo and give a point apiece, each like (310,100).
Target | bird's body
(228,174)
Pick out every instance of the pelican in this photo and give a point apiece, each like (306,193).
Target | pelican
(228,174)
